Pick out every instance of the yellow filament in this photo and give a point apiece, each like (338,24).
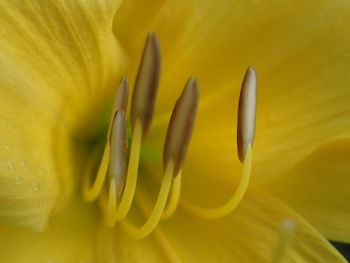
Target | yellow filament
(111,203)
(174,197)
(284,241)
(91,193)
(153,220)
(131,178)
(231,204)
(144,203)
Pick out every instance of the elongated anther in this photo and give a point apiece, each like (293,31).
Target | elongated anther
(117,164)
(181,126)
(246,113)
(121,100)
(146,84)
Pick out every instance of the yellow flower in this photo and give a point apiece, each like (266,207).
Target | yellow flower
(60,64)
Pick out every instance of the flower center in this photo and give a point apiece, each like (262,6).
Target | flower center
(116,179)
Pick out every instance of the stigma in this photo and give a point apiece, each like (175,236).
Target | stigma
(116,180)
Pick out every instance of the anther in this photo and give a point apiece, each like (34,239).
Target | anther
(246,113)
(146,84)
(117,164)
(181,126)
(121,101)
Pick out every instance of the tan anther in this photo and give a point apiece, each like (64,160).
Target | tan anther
(117,165)
(146,84)
(246,113)
(121,101)
(181,126)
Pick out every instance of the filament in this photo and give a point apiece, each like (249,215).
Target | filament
(232,203)
(90,193)
(174,197)
(156,214)
(111,204)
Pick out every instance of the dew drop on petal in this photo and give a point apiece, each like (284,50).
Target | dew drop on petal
(18,178)
(41,203)
(35,186)
(11,165)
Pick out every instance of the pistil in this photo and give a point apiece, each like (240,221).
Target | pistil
(286,232)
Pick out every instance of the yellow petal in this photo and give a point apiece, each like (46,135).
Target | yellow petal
(58,59)
(70,239)
(318,188)
(299,51)
(249,234)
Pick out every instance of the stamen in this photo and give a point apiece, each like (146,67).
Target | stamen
(246,113)
(245,138)
(181,126)
(287,229)
(117,164)
(146,84)
(91,193)
(153,220)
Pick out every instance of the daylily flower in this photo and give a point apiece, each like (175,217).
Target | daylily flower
(61,62)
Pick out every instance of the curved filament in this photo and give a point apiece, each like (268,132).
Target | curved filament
(232,203)
(174,197)
(156,214)
(90,193)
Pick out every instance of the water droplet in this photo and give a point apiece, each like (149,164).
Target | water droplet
(41,203)
(18,178)
(35,186)
(11,166)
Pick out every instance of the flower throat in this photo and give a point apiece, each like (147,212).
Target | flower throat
(118,169)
